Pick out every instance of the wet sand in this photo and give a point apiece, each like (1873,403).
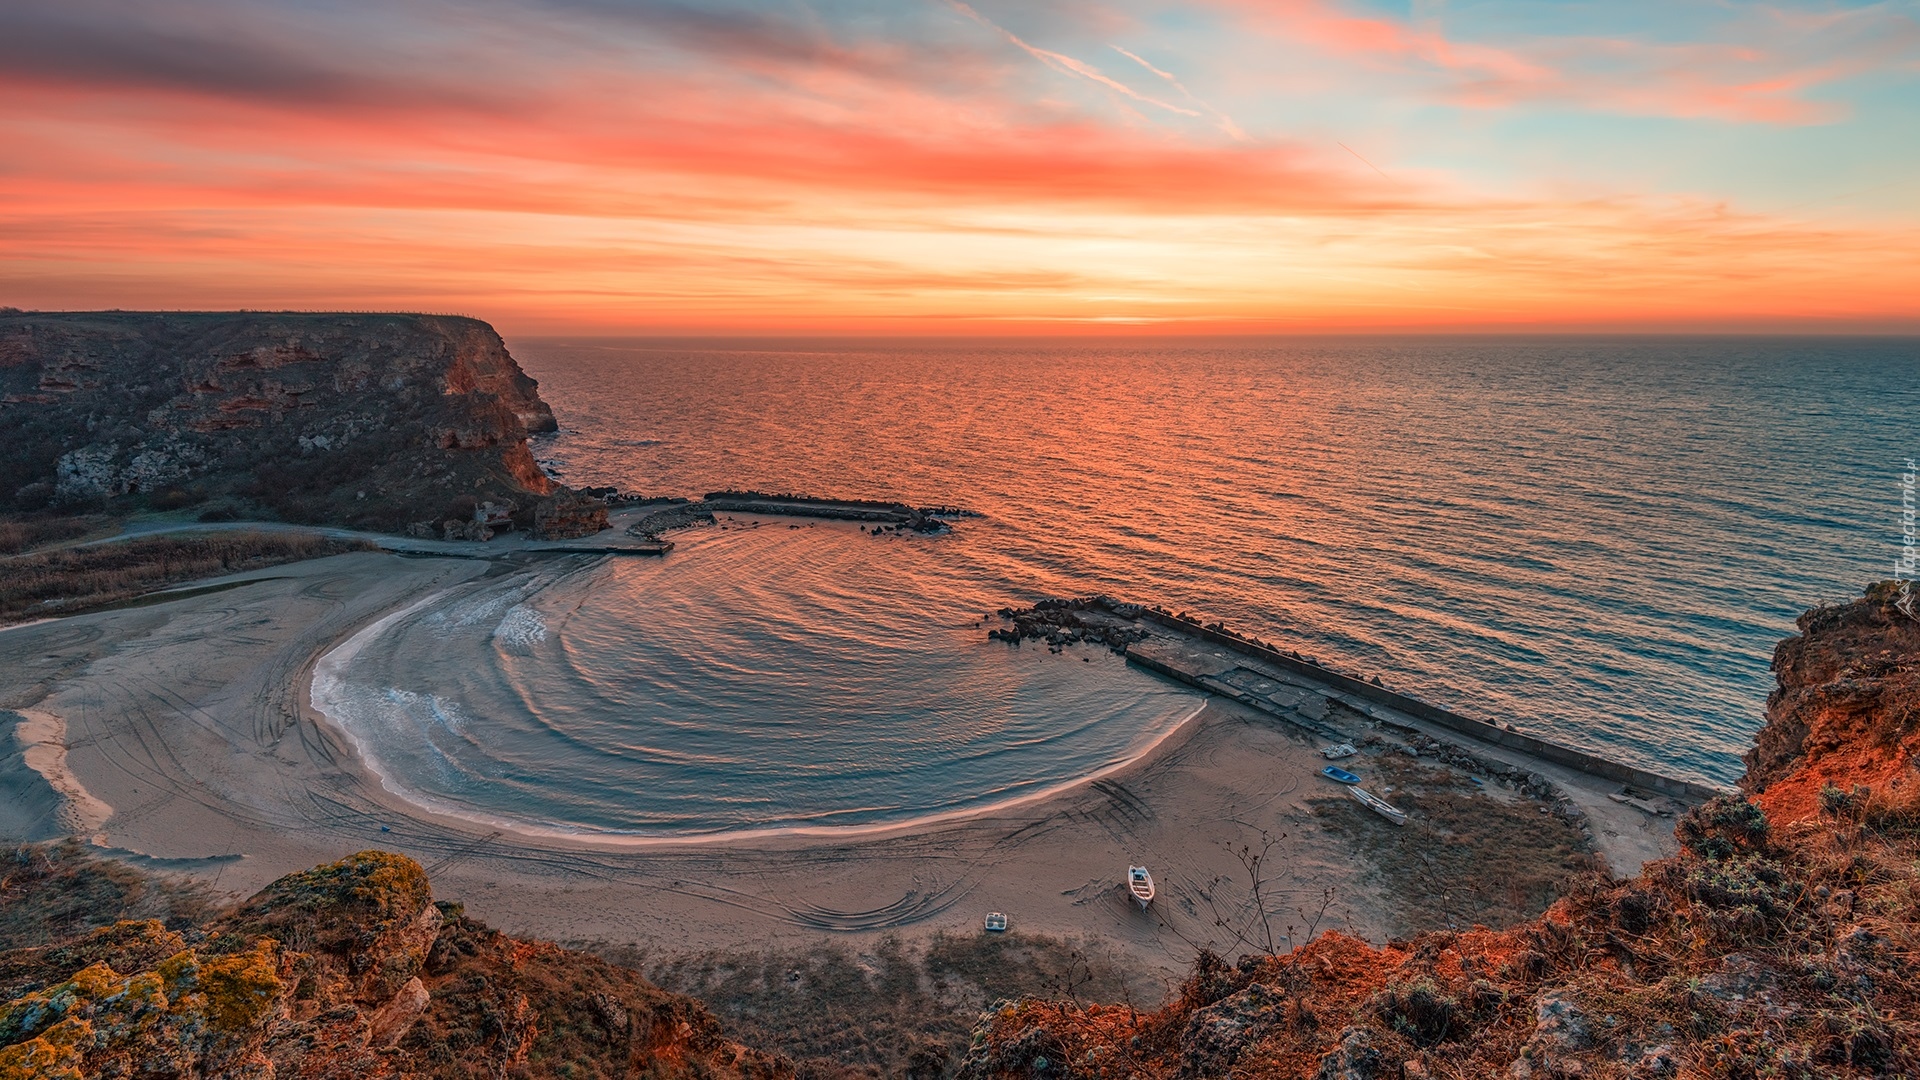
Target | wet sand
(188,725)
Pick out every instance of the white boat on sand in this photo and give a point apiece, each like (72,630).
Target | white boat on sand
(1140,884)
(1378,805)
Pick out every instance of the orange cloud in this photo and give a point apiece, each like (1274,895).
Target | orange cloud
(791,180)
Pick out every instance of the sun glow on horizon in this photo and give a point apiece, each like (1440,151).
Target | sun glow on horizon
(565,166)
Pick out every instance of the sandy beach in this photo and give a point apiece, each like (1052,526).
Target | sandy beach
(190,745)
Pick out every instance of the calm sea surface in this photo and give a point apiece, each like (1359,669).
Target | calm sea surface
(1598,539)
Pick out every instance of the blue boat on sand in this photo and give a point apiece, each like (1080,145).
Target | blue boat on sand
(1334,773)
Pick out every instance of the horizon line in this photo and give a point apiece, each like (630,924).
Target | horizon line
(1812,328)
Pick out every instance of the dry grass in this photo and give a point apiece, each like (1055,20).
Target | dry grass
(23,533)
(1467,857)
(76,579)
(1754,953)
(890,1011)
(51,892)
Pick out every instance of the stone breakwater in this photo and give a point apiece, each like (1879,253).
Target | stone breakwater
(930,519)
(1060,623)
(1341,708)
(657,519)
(1123,627)
(650,519)
(1100,620)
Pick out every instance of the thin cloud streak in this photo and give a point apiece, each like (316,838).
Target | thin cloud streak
(1222,119)
(1067,64)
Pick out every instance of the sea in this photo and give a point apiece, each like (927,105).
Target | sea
(1599,540)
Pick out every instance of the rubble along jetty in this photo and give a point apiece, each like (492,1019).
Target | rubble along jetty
(930,519)
(650,519)
(1224,662)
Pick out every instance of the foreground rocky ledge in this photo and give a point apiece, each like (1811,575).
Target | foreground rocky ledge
(348,970)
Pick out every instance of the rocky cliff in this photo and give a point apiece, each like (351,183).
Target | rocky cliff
(1846,711)
(380,421)
(346,972)
(1783,941)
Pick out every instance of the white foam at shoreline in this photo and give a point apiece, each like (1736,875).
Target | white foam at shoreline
(330,695)
(335,698)
(827,833)
(521,628)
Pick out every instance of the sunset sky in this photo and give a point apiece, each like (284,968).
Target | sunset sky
(933,166)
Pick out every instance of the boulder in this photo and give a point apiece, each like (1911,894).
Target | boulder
(1216,1035)
(1355,1057)
(568,515)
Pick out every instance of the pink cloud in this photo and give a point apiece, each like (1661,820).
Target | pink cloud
(1761,75)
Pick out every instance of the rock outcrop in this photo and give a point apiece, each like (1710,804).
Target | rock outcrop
(379,421)
(1846,711)
(345,971)
(1783,940)
(569,514)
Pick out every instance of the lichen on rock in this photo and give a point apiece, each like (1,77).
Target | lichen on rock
(346,970)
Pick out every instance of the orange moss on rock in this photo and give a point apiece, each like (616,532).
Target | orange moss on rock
(52,1055)
(241,990)
(1846,712)
(347,970)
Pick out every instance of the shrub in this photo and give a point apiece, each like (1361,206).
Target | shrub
(1725,826)
(1892,811)
(1421,1010)
(18,536)
(58,582)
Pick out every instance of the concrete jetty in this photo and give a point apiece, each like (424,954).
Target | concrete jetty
(1613,801)
(1222,662)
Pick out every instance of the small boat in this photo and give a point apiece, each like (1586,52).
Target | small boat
(1378,805)
(996,922)
(1334,772)
(1338,751)
(1140,884)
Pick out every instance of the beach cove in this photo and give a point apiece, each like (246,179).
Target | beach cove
(192,720)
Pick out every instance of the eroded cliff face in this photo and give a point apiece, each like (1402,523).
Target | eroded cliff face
(374,420)
(346,971)
(1846,712)
(1783,941)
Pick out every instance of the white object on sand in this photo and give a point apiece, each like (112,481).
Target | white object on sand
(1378,805)
(1140,884)
(1338,751)
(996,921)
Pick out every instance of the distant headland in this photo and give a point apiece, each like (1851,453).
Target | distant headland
(387,422)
